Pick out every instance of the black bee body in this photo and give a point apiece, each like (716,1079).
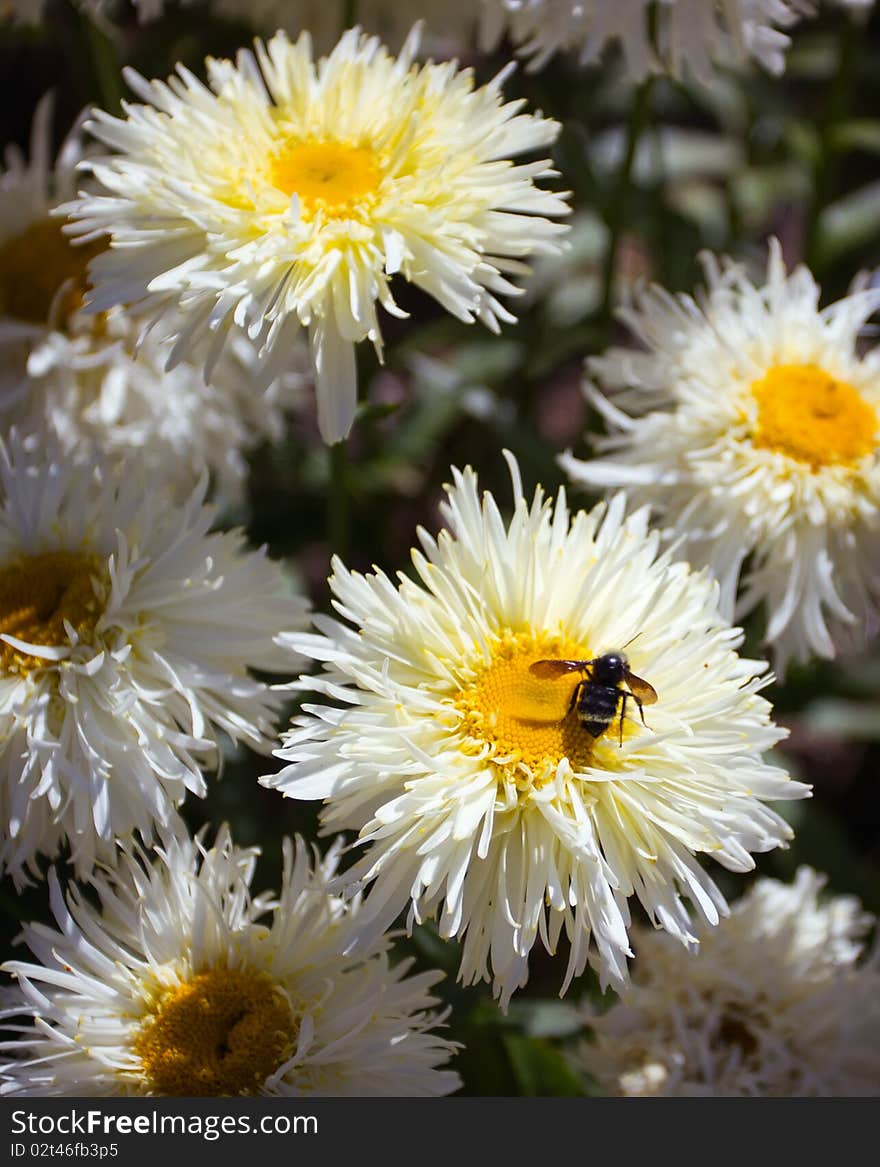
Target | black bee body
(606,686)
(596,699)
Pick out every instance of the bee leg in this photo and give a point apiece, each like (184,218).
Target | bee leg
(623,699)
(574,697)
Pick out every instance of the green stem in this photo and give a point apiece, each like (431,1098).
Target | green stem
(105,66)
(338,500)
(618,203)
(835,109)
(732,192)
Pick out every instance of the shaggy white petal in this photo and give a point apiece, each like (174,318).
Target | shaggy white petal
(668,37)
(774,1003)
(479,797)
(356,1026)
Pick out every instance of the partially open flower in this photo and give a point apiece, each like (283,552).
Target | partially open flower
(774,1003)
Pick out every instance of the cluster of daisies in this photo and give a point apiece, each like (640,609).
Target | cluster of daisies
(674,37)
(175,282)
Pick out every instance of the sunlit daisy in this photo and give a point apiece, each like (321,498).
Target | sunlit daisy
(670,37)
(751,423)
(289,193)
(774,1004)
(479,794)
(185,984)
(126,634)
(93,379)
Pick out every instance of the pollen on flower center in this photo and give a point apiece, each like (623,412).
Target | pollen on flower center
(334,175)
(526,723)
(40,595)
(43,277)
(807,414)
(223,1032)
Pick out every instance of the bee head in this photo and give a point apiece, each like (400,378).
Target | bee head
(609,669)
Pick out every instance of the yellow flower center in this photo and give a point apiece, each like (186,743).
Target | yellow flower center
(223,1032)
(805,413)
(526,723)
(39,594)
(43,277)
(331,175)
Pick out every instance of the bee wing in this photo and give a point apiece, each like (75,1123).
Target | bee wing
(550,669)
(646,693)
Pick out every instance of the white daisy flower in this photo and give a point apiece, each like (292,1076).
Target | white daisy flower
(668,37)
(99,389)
(185,984)
(479,793)
(751,423)
(95,381)
(289,193)
(126,634)
(774,1004)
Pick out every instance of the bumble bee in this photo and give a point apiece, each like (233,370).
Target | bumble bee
(601,689)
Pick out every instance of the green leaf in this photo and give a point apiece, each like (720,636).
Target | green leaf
(849,224)
(540,1069)
(760,190)
(838,718)
(857,134)
(804,142)
(546,1018)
